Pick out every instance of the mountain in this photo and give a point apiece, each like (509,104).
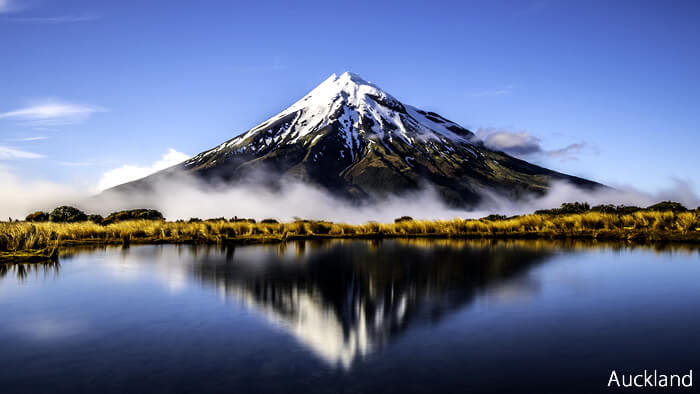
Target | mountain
(353,139)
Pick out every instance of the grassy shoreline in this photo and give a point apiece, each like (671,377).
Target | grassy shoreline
(30,242)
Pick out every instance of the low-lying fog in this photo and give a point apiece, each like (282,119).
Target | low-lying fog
(186,197)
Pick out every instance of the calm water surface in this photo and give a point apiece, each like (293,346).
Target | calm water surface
(348,316)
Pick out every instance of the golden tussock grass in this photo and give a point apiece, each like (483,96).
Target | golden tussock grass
(43,238)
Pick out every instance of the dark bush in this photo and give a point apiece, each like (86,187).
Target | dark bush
(194,220)
(619,209)
(403,219)
(627,209)
(567,208)
(236,219)
(97,219)
(667,206)
(574,207)
(269,221)
(133,214)
(605,208)
(66,214)
(494,218)
(38,216)
(546,211)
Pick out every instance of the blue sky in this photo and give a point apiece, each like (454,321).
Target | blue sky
(87,87)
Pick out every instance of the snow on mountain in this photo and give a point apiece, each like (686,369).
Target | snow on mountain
(355,140)
(363,112)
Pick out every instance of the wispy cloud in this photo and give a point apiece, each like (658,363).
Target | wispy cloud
(52,112)
(128,172)
(36,138)
(7,6)
(567,152)
(57,19)
(508,89)
(524,144)
(7,153)
(14,6)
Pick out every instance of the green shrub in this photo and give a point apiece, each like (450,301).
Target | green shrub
(667,206)
(552,211)
(575,207)
(269,221)
(403,219)
(66,214)
(97,219)
(133,214)
(619,209)
(566,208)
(236,219)
(627,209)
(494,218)
(605,208)
(38,216)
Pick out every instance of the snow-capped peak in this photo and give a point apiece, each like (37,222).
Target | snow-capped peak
(348,87)
(350,99)
(361,113)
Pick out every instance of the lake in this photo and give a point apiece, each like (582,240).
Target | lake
(347,316)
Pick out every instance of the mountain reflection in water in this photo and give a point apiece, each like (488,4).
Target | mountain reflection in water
(346,299)
(403,315)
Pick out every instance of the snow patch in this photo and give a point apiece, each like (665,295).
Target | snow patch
(351,103)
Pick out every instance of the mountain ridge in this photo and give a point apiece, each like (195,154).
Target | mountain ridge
(357,141)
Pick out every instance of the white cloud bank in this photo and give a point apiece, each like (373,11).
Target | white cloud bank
(128,172)
(183,197)
(19,196)
(51,112)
